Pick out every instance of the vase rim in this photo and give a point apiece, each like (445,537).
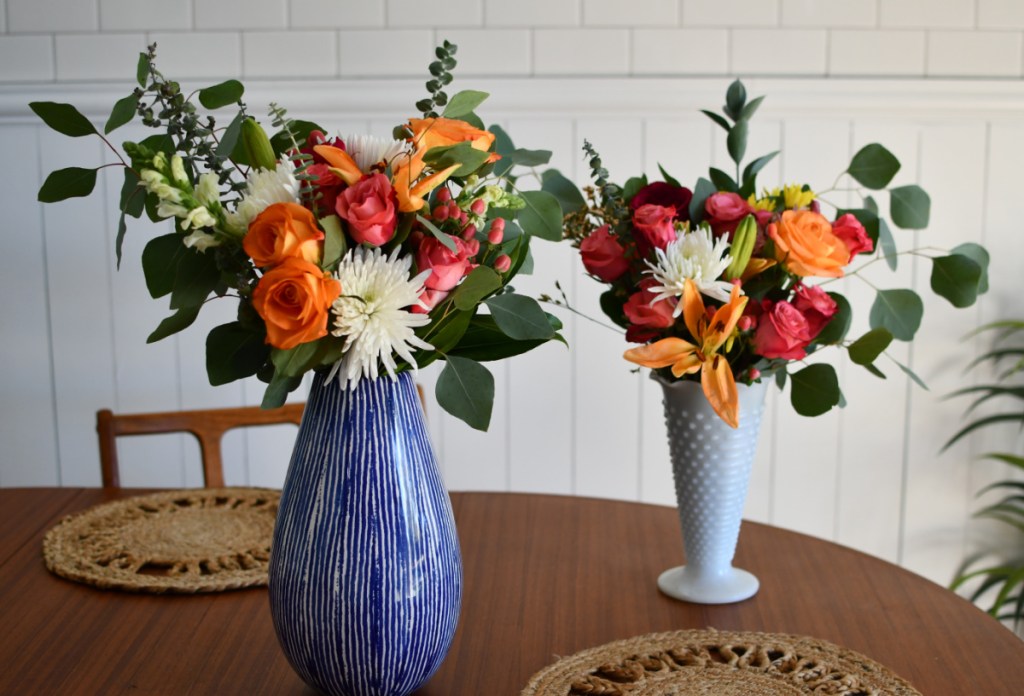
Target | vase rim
(681,383)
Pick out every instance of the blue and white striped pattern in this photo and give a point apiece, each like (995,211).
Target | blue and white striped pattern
(365,570)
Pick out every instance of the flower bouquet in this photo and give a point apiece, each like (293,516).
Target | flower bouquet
(725,285)
(359,258)
(361,255)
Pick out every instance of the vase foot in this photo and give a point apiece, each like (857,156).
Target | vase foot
(734,585)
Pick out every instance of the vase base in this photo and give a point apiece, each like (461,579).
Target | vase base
(734,585)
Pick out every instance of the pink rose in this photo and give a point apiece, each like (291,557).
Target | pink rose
(664,194)
(853,234)
(725,211)
(816,306)
(371,210)
(653,224)
(447,269)
(644,318)
(782,332)
(603,256)
(430,298)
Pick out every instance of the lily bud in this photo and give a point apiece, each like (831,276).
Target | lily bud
(257,145)
(742,247)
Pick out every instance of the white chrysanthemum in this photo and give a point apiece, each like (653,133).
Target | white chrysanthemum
(368,150)
(695,256)
(264,188)
(372,314)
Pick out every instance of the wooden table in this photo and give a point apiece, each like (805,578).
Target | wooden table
(544,576)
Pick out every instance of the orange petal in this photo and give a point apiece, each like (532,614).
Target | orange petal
(756,266)
(661,353)
(693,310)
(341,163)
(686,365)
(720,389)
(724,321)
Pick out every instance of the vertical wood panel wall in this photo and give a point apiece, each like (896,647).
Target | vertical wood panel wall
(570,421)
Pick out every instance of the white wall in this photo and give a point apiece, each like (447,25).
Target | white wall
(629,77)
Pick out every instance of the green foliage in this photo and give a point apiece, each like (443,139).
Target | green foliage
(898,311)
(71,182)
(63,118)
(520,317)
(1006,577)
(542,215)
(873,166)
(814,390)
(868,347)
(220,95)
(910,207)
(440,71)
(465,389)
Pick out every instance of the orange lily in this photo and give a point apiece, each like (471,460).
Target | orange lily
(410,196)
(440,132)
(341,163)
(716,378)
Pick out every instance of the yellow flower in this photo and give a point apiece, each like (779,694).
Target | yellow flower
(795,196)
(716,378)
(765,202)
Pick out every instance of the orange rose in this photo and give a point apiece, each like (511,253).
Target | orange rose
(441,132)
(283,231)
(294,299)
(805,243)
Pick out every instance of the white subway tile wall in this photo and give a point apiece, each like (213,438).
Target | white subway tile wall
(98,56)
(872,52)
(52,15)
(829,13)
(532,13)
(145,15)
(680,51)
(198,55)
(492,51)
(443,15)
(581,52)
(340,14)
(26,58)
(649,13)
(731,13)
(384,52)
(779,51)
(968,53)
(241,14)
(927,13)
(308,54)
(1000,14)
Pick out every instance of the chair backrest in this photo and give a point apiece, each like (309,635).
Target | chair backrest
(208,426)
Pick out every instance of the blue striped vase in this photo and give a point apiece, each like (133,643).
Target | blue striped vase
(365,570)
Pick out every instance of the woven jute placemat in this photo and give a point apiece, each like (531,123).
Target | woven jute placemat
(717,663)
(197,540)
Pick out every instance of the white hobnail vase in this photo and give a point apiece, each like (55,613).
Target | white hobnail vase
(711,465)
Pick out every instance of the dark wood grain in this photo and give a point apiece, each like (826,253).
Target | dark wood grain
(544,576)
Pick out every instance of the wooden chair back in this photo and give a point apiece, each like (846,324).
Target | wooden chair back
(207,425)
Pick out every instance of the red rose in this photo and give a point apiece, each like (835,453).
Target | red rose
(665,194)
(816,306)
(603,256)
(644,317)
(782,332)
(447,269)
(853,234)
(725,211)
(327,184)
(371,210)
(653,224)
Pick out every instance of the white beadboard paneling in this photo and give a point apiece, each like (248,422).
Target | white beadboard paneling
(680,51)
(26,58)
(489,52)
(452,13)
(143,15)
(409,51)
(475,460)
(342,14)
(653,13)
(532,13)
(966,53)
(1000,14)
(581,51)
(829,13)
(80,323)
(3,16)
(779,51)
(889,52)
(925,13)
(730,13)
(952,171)
(52,15)
(98,56)
(241,14)
(28,428)
(198,55)
(305,54)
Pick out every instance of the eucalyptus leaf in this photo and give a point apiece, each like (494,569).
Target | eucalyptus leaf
(195,278)
(520,317)
(484,341)
(465,389)
(736,141)
(180,320)
(542,215)
(278,390)
(294,362)
(133,194)
(956,278)
(735,99)
(335,245)
(530,158)
(868,347)
(751,108)
(887,244)
(440,236)
(722,181)
(873,166)
(222,94)
(122,113)
(717,119)
(481,282)
(234,352)
(71,182)
(142,70)
(160,259)
(463,103)
(633,186)
(980,256)
(564,191)
(910,207)
(814,390)
(835,330)
(899,311)
(63,118)
(751,170)
(229,138)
